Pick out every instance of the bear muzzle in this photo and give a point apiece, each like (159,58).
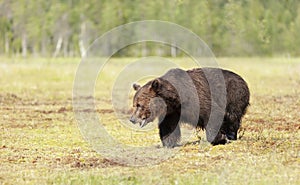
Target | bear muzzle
(142,122)
(132,120)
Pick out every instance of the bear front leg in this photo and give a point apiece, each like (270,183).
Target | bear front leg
(169,131)
(215,135)
(230,128)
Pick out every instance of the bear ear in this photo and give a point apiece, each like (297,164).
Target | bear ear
(155,85)
(136,86)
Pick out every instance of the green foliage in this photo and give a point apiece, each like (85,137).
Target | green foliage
(231,28)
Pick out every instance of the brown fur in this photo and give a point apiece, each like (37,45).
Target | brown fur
(160,98)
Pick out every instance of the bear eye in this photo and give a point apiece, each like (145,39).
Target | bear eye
(139,106)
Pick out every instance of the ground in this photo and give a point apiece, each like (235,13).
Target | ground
(40,141)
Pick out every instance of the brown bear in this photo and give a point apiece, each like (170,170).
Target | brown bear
(187,96)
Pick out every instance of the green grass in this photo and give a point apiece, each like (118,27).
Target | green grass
(40,141)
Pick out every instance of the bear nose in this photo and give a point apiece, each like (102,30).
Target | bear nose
(132,119)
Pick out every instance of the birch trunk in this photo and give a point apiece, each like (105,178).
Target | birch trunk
(65,48)
(81,39)
(58,46)
(44,46)
(173,51)
(24,45)
(6,44)
(144,49)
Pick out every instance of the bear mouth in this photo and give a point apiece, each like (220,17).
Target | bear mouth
(143,123)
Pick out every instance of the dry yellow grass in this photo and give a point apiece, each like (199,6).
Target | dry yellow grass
(40,142)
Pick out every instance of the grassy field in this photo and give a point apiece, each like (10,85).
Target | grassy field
(40,142)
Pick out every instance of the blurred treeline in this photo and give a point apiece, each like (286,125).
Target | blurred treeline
(65,28)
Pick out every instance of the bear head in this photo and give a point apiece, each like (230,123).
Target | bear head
(149,102)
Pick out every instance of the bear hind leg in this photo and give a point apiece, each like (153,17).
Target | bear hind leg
(220,139)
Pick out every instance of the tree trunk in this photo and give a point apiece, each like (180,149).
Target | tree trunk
(65,48)
(44,46)
(24,45)
(58,46)
(6,44)
(82,39)
(173,51)
(159,51)
(144,49)
(81,48)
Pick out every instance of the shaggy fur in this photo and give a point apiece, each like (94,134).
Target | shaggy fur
(160,98)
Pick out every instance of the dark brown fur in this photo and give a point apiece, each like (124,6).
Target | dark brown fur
(159,98)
